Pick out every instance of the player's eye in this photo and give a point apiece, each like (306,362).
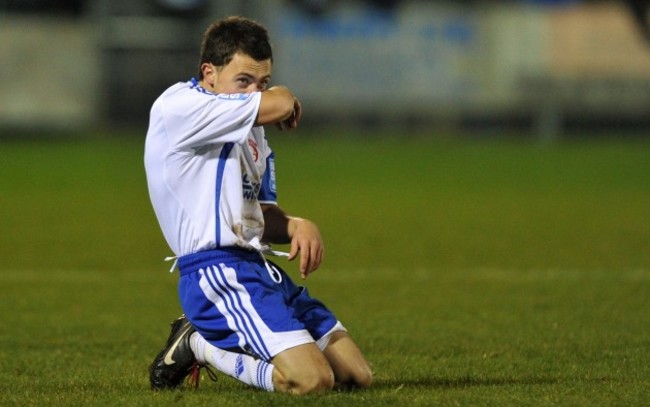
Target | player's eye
(243,82)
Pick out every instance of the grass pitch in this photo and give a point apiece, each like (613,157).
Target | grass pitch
(475,273)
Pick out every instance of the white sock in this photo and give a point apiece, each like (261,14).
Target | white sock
(245,368)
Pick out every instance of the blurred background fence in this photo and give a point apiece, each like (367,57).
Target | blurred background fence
(544,66)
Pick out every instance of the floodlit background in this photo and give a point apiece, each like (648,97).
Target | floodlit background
(539,66)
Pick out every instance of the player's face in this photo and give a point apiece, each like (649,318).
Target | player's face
(242,75)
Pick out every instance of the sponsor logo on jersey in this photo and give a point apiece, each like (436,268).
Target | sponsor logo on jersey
(271,170)
(233,96)
(250,189)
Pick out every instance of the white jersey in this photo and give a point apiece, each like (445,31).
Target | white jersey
(208,168)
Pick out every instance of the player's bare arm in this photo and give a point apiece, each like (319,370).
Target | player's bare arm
(279,106)
(244,74)
(303,235)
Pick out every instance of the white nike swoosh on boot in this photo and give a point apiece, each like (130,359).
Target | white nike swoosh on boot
(168,357)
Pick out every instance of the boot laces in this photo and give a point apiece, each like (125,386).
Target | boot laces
(194,377)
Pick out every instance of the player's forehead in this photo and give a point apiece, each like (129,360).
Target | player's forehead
(242,64)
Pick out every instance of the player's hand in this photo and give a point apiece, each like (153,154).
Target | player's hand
(306,241)
(292,121)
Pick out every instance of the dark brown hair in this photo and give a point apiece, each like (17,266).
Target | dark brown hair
(224,38)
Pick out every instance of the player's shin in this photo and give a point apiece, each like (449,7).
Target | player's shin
(245,368)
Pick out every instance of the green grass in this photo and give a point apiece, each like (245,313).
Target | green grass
(470,273)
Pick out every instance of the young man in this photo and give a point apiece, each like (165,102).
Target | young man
(211,180)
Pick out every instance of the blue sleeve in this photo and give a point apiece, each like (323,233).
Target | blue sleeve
(268,193)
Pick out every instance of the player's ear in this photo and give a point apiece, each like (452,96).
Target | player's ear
(208,71)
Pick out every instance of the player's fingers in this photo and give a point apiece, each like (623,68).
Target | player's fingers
(304,263)
(297,109)
(292,121)
(321,253)
(315,258)
(294,250)
(297,112)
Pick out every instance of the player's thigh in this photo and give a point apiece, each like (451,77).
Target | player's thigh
(303,369)
(348,363)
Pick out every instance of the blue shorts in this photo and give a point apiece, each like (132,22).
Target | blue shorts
(238,301)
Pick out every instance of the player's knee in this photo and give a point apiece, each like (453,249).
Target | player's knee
(319,381)
(360,377)
(363,378)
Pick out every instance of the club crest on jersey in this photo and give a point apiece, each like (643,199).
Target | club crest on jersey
(250,189)
(254,151)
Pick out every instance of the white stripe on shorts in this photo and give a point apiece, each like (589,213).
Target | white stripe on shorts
(221,287)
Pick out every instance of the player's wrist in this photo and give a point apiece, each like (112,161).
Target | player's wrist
(293,225)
